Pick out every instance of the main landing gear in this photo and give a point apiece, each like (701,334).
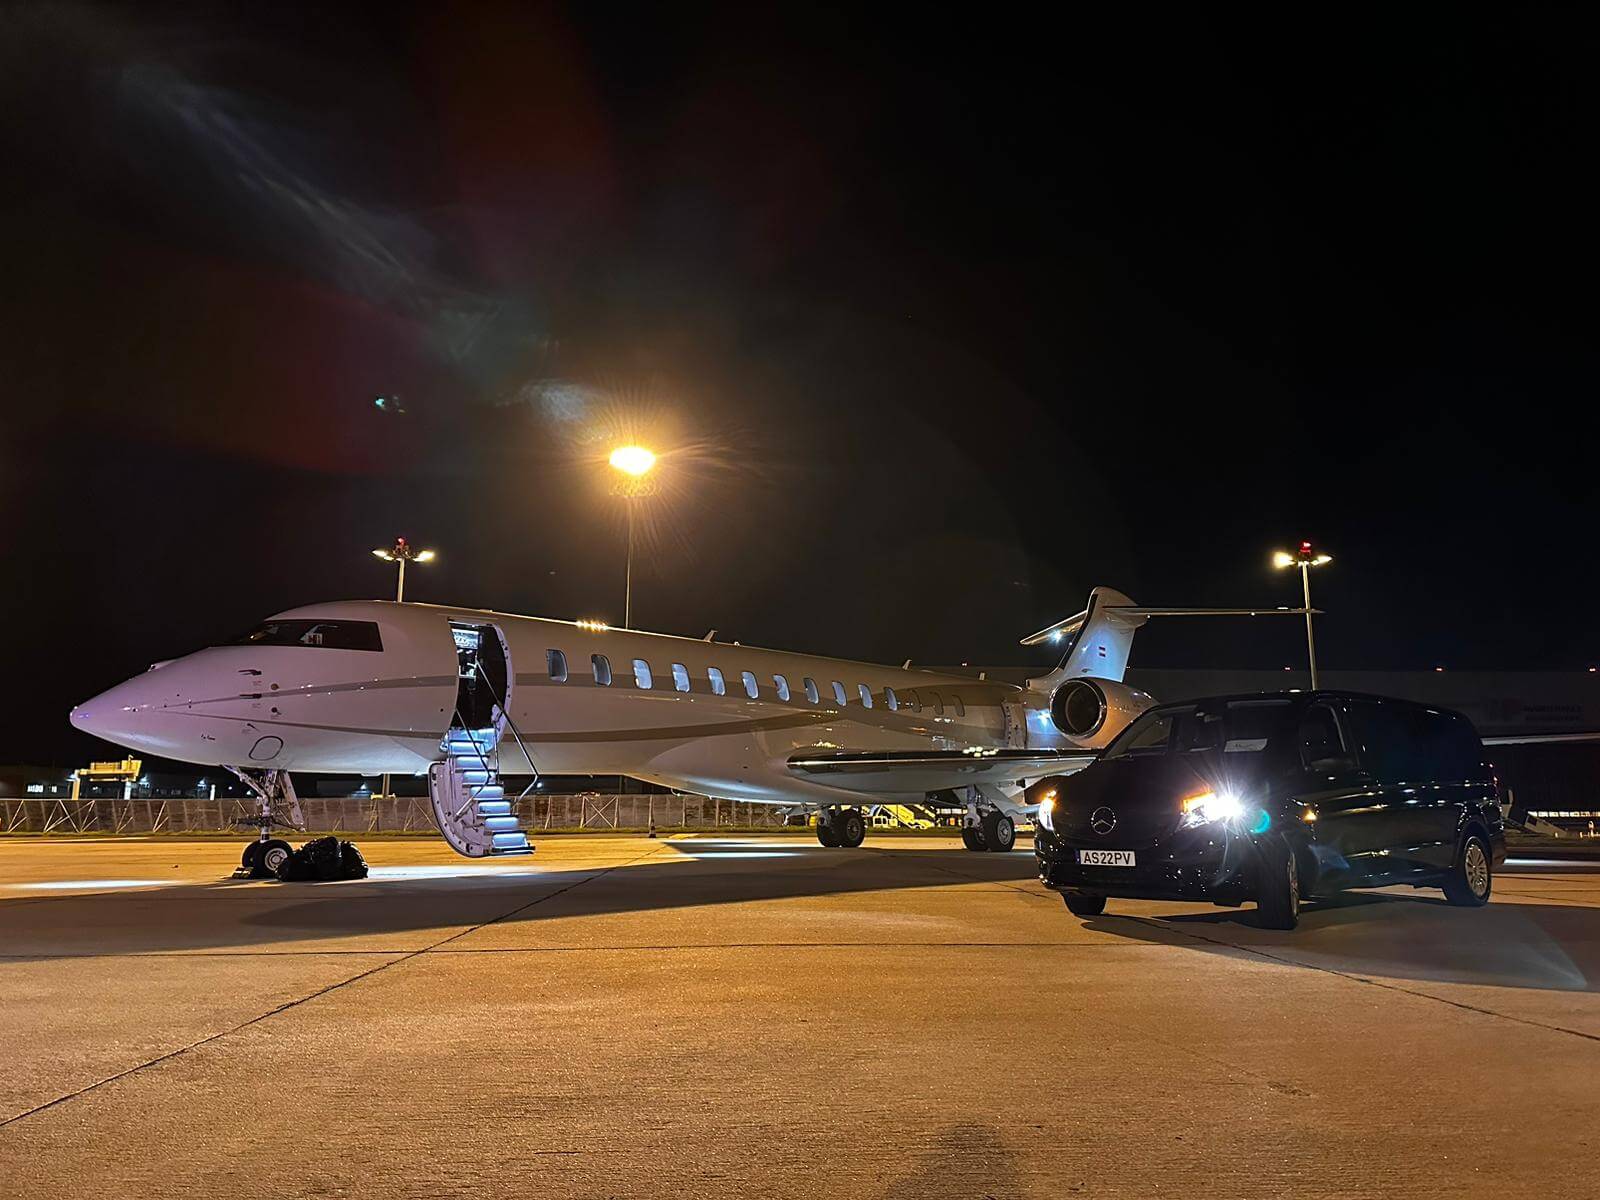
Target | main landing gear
(987,827)
(276,806)
(844,827)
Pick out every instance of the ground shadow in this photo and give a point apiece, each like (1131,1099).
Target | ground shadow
(1389,934)
(1401,936)
(682,874)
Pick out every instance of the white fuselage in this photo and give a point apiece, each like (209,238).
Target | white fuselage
(319,707)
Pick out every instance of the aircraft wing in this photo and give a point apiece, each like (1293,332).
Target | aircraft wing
(1528,739)
(902,772)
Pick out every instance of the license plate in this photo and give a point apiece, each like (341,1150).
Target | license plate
(1105,858)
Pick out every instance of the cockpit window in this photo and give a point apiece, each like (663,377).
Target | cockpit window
(328,635)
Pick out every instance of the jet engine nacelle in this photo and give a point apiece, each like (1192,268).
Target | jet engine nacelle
(1090,711)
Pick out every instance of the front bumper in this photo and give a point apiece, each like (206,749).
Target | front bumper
(1207,863)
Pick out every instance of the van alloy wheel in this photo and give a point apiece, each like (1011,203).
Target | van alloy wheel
(1471,879)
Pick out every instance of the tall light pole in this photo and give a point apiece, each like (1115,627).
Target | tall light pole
(1305,558)
(401,553)
(635,463)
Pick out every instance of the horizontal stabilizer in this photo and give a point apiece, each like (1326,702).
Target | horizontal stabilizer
(1133,614)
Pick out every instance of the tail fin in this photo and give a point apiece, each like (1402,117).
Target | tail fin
(1101,636)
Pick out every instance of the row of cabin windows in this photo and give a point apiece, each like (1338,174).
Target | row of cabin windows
(915,701)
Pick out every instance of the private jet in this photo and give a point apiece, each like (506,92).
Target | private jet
(468,696)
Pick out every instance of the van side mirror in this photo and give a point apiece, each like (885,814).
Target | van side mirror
(1335,764)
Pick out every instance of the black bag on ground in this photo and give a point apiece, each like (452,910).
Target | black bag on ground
(323,859)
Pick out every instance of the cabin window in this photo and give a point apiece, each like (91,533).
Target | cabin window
(750,688)
(838,694)
(891,699)
(961,709)
(811,691)
(782,686)
(915,700)
(680,677)
(641,674)
(718,687)
(557,662)
(602,669)
(865,693)
(936,704)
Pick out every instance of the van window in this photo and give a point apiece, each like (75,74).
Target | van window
(1464,750)
(557,662)
(680,677)
(1391,746)
(750,688)
(811,691)
(1321,738)
(1450,747)
(782,684)
(838,694)
(961,709)
(891,699)
(641,674)
(1147,735)
(602,669)
(718,687)
(935,703)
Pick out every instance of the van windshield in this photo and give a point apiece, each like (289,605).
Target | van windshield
(1237,727)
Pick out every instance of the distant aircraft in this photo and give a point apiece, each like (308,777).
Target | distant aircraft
(467,696)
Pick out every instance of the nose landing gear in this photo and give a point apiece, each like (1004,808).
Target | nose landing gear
(276,806)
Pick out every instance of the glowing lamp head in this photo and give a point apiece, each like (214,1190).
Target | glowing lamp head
(1210,807)
(632,460)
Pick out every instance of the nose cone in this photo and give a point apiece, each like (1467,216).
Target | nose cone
(127,715)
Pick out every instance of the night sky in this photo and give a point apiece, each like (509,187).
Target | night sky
(938,322)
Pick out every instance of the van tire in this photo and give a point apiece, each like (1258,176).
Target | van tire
(1277,885)
(1081,905)
(1471,878)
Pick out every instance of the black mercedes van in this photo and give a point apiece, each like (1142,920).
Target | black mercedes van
(1274,798)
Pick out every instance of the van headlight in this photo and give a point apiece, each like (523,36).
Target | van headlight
(1045,818)
(1209,808)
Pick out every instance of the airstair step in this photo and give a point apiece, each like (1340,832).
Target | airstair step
(501,824)
(508,851)
(487,791)
(494,808)
(511,840)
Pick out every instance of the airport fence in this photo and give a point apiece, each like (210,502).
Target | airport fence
(370,814)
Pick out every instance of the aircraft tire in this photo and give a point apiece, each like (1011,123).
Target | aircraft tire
(972,838)
(999,832)
(271,855)
(825,833)
(850,829)
(250,860)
